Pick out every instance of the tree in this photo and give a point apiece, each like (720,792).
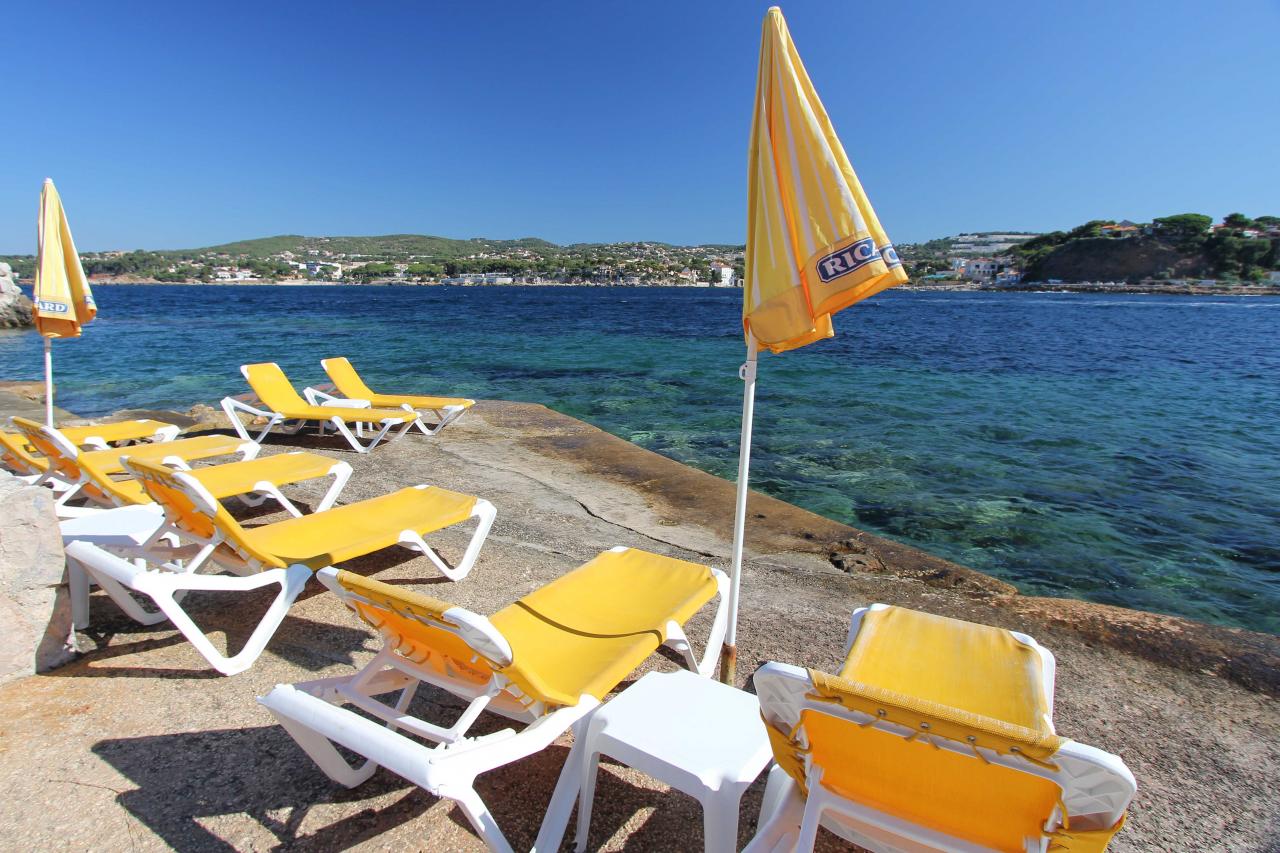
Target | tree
(1238,221)
(1092,228)
(1183,228)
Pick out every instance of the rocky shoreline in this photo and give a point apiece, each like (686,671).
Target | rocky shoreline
(1189,706)
(15,307)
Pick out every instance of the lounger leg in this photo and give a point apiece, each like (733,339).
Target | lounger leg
(478,814)
(556,820)
(291,581)
(345,432)
(115,590)
(236,423)
(781,812)
(808,835)
(486,513)
(447,415)
(341,474)
(321,750)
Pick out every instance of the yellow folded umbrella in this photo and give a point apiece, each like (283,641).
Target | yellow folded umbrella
(63,300)
(814,244)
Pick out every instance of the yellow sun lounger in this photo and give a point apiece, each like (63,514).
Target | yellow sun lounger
(87,473)
(103,436)
(313,541)
(275,399)
(20,457)
(546,661)
(350,386)
(937,734)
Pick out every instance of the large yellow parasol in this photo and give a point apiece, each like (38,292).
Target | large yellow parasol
(814,244)
(63,300)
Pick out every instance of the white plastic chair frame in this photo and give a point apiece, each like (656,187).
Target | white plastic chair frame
(166,584)
(310,712)
(327,393)
(1096,785)
(250,404)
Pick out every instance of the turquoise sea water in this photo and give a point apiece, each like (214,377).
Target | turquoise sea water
(1124,449)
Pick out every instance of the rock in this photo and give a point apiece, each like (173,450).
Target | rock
(15,307)
(26,389)
(35,604)
(184,422)
(213,418)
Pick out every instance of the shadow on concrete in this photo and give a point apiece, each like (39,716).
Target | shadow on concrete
(184,782)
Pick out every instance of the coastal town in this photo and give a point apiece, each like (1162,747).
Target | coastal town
(1187,253)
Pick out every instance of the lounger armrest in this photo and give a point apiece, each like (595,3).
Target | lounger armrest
(231,406)
(245,403)
(319,395)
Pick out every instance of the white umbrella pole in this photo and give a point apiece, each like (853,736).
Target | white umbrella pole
(48,382)
(729,663)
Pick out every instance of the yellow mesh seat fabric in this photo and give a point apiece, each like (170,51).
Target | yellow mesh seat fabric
(187,449)
(18,455)
(975,668)
(119,431)
(349,383)
(418,401)
(582,633)
(237,478)
(586,631)
(126,492)
(275,391)
(354,530)
(961,795)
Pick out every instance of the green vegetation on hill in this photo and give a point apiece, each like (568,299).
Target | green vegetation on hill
(409,257)
(1185,245)
(389,246)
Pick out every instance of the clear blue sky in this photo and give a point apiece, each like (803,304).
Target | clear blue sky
(171,125)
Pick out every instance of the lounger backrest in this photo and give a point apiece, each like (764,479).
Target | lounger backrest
(18,454)
(273,388)
(55,447)
(346,380)
(427,631)
(190,507)
(886,750)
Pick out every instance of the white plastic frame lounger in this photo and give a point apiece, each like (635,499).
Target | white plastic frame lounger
(348,383)
(547,661)
(892,771)
(336,535)
(88,474)
(275,399)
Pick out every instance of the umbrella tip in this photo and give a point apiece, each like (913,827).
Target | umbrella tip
(48,180)
(774,10)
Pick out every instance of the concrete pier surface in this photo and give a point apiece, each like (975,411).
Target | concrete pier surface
(139,745)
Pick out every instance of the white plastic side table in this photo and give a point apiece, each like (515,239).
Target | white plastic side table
(125,528)
(693,733)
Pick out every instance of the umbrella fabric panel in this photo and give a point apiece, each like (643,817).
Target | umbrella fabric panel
(815,245)
(63,300)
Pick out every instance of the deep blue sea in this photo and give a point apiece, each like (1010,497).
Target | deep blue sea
(1123,449)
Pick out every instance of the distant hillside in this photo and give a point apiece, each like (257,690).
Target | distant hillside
(1173,247)
(389,245)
